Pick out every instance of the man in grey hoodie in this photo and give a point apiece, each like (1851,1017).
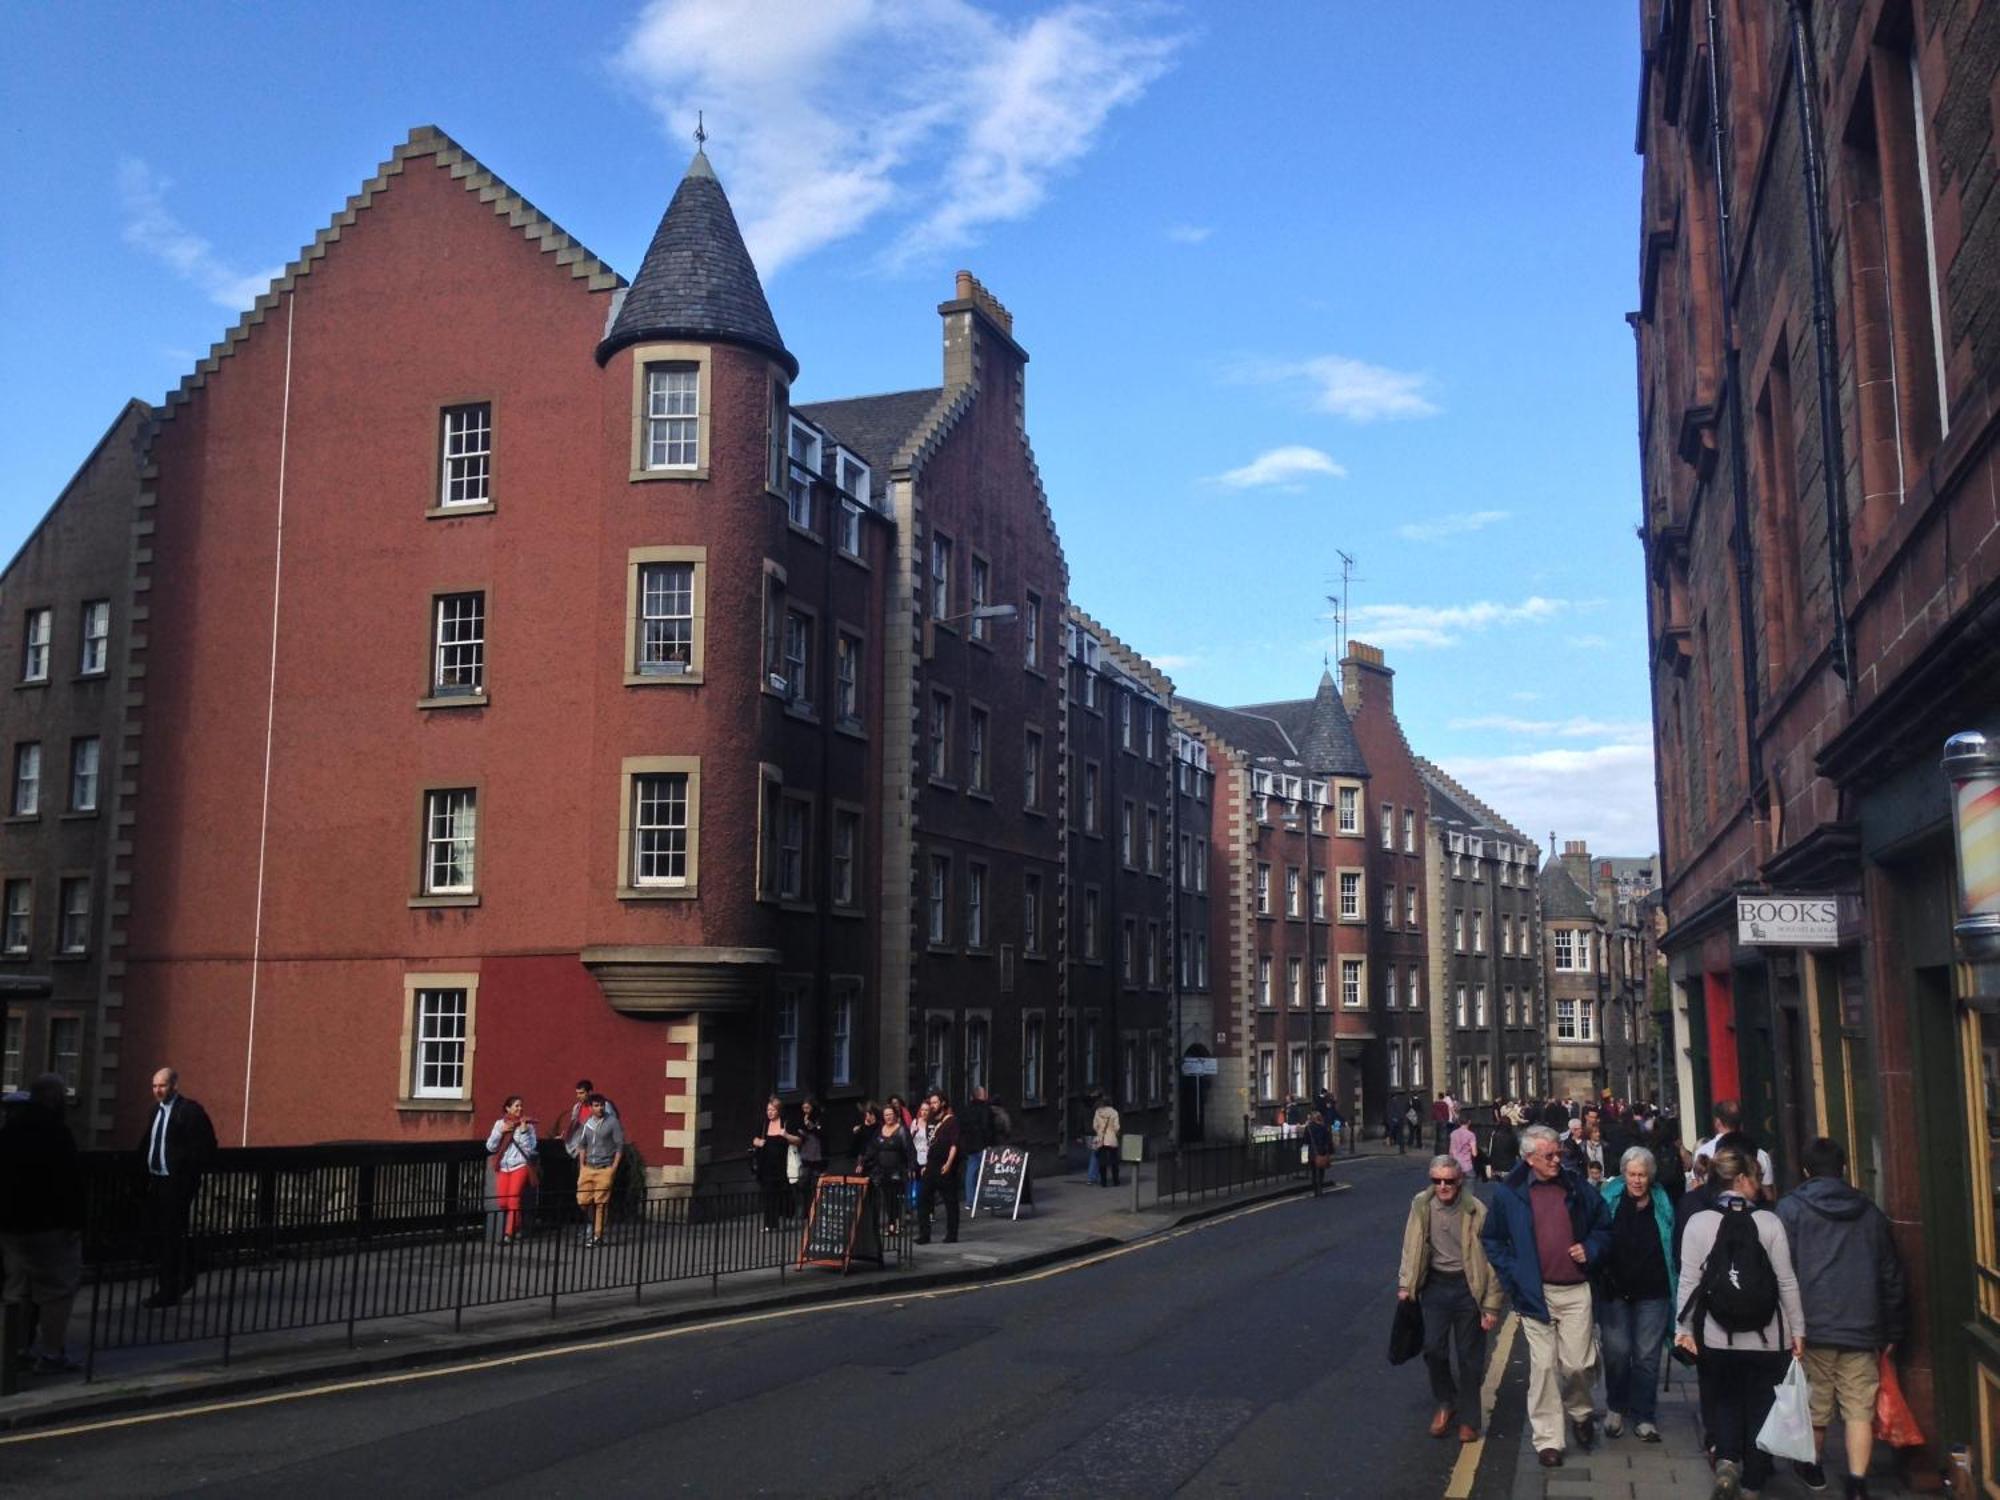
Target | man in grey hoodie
(1856,1305)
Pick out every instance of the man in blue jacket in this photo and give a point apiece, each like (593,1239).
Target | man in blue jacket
(1545,1232)
(1856,1304)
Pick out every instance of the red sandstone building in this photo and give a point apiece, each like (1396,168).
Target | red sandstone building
(1819,381)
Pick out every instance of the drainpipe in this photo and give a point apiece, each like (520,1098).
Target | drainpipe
(1833,463)
(1732,385)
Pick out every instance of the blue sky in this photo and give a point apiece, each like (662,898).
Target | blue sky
(1295,278)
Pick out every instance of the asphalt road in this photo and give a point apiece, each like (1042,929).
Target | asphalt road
(1240,1357)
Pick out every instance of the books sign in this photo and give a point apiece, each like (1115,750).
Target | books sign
(1788,921)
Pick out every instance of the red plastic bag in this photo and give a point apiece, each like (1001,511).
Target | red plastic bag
(1894,1423)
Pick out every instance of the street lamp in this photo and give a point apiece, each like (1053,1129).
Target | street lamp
(984,612)
(1972,765)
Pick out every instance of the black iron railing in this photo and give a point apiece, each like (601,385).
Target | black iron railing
(284,1238)
(1196,1172)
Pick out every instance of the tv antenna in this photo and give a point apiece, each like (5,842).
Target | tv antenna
(1339,602)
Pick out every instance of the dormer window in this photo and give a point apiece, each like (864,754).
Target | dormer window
(673,416)
(854,478)
(801,472)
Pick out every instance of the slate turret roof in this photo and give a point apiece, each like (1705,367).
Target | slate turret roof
(1314,732)
(1562,898)
(697,281)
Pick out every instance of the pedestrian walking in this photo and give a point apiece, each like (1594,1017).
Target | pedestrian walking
(1337,1123)
(579,1112)
(812,1150)
(1727,1116)
(1393,1121)
(1741,1314)
(511,1143)
(975,1133)
(1440,1123)
(1104,1131)
(178,1146)
(1573,1158)
(1635,1295)
(1503,1146)
(1856,1302)
(941,1170)
(1445,1267)
(598,1148)
(1463,1148)
(1544,1234)
(1320,1143)
(887,1163)
(770,1155)
(41,1222)
(861,1139)
(1412,1123)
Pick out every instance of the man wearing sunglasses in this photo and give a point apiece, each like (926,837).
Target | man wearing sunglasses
(1445,1268)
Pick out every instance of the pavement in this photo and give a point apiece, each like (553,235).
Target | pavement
(1238,1356)
(1070,1221)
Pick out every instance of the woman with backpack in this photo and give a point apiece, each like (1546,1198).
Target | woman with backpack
(1741,1318)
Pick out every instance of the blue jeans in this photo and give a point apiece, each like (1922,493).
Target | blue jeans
(971,1175)
(1635,1336)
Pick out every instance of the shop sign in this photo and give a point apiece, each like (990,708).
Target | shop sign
(1788,921)
(1201,1067)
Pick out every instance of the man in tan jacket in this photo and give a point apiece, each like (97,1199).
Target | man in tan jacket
(1445,1268)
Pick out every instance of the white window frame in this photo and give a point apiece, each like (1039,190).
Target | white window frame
(451,846)
(660,842)
(1388,826)
(1414,1000)
(802,451)
(1264,995)
(939,898)
(466,477)
(940,577)
(73,915)
(1347,802)
(785,1038)
(846,678)
(1353,983)
(440,1039)
(1350,895)
(17,920)
(1409,830)
(1410,907)
(840,1033)
(671,436)
(37,631)
(94,647)
(85,753)
(975,904)
(1295,982)
(1319,984)
(25,799)
(666,623)
(458,645)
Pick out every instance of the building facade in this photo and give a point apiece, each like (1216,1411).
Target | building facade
(1818,338)
(67,619)
(1484,951)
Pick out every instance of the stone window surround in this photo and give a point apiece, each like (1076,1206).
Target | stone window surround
(419,897)
(635,560)
(479,699)
(644,357)
(406,1095)
(630,768)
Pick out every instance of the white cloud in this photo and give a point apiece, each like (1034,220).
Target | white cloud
(1623,732)
(1447,624)
(1346,387)
(939,116)
(149,227)
(1189,234)
(1282,468)
(1602,794)
(1451,525)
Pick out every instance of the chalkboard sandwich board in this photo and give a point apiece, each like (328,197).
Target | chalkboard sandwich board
(840,1228)
(1004,1184)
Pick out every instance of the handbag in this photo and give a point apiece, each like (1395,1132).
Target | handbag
(1895,1423)
(1787,1432)
(1406,1331)
(1321,1163)
(794,1169)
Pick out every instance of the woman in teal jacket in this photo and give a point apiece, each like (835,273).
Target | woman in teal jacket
(1636,1285)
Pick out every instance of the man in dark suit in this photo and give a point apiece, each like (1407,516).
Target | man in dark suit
(179,1142)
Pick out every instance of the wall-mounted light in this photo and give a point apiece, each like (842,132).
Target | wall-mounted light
(1972,765)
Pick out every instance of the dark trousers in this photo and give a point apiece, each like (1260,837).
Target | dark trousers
(1634,1334)
(777,1201)
(168,1203)
(1737,1387)
(893,1194)
(1107,1166)
(937,1187)
(1451,1321)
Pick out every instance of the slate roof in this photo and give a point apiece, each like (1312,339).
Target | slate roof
(1562,898)
(1256,734)
(875,427)
(697,280)
(1318,729)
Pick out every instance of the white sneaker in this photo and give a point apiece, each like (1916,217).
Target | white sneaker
(1614,1424)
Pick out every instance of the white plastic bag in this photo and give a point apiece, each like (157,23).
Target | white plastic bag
(794,1166)
(1787,1432)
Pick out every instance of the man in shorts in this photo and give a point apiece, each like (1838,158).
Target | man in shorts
(1856,1305)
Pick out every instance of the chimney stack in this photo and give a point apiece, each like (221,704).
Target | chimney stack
(1576,863)
(1366,678)
(979,338)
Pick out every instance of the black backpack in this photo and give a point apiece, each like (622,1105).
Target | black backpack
(1739,1286)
